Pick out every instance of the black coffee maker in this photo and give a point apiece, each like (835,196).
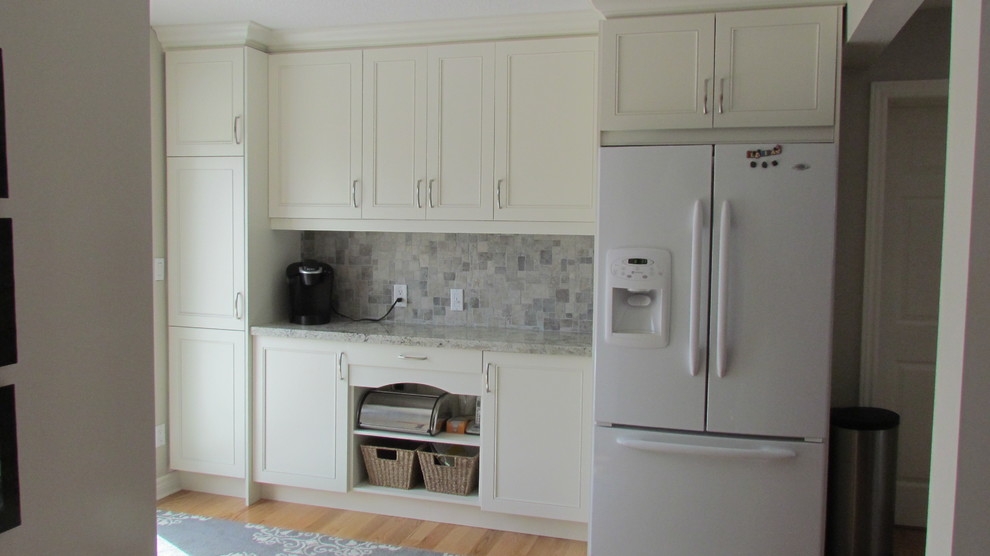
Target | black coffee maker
(310,288)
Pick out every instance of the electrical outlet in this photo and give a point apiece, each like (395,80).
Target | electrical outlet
(399,291)
(456,299)
(160,435)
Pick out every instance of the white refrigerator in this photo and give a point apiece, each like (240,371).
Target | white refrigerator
(712,349)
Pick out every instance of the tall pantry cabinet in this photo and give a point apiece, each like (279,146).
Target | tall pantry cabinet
(216,104)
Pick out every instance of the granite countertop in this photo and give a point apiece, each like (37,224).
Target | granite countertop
(459,337)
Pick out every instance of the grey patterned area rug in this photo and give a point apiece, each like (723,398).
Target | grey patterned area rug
(182,534)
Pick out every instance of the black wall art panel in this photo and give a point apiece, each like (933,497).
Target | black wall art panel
(10,492)
(3,138)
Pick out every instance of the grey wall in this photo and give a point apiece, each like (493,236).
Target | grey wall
(509,281)
(920,51)
(77,85)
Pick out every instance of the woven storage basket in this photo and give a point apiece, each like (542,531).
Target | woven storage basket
(391,466)
(461,477)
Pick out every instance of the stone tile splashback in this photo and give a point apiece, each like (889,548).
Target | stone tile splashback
(537,282)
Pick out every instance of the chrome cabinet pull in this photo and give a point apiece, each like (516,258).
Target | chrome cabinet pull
(419,201)
(498,193)
(341,375)
(238,311)
(488,372)
(429,192)
(237,130)
(354,194)
(704,106)
(721,95)
(412,357)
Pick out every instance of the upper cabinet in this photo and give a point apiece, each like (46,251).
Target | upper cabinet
(468,137)
(546,145)
(205,102)
(314,147)
(756,69)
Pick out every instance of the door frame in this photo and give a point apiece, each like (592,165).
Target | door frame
(883,95)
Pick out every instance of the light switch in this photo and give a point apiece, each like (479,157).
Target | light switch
(456,299)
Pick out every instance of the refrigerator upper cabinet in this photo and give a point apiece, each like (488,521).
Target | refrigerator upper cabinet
(655,199)
(773,248)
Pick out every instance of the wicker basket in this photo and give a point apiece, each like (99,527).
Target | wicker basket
(391,465)
(449,474)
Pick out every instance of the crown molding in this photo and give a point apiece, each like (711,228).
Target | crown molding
(585,22)
(247,33)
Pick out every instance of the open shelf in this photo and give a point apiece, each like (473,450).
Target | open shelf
(419,493)
(442,438)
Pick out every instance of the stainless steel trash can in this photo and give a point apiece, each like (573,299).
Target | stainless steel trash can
(861,482)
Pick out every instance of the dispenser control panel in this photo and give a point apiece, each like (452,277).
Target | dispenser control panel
(636,269)
(638,297)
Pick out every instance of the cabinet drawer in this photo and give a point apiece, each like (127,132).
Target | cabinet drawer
(454,370)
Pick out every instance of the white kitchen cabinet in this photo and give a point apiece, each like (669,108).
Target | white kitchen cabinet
(546,141)
(204,98)
(300,414)
(206,235)
(394,133)
(428,132)
(536,435)
(207,397)
(315,134)
(760,68)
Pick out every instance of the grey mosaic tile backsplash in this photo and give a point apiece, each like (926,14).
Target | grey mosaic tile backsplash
(537,282)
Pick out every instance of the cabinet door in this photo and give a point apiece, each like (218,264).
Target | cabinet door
(546,142)
(460,123)
(394,133)
(204,96)
(536,435)
(300,414)
(205,214)
(314,134)
(657,72)
(776,67)
(207,391)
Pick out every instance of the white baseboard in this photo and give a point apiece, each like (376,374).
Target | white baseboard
(167,484)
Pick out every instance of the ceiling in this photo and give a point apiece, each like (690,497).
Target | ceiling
(312,14)
(315,14)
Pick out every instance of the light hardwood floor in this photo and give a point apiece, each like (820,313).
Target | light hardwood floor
(428,535)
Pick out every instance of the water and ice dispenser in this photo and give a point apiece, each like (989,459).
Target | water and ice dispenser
(637,286)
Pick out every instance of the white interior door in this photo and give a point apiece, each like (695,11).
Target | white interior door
(902,327)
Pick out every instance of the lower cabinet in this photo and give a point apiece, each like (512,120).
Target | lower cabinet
(535,441)
(300,414)
(207,398)
(536,424)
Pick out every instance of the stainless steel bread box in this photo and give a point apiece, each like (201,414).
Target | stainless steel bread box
(408,412)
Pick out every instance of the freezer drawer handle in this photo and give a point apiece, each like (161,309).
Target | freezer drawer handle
(723,281)
(764,453)
(693,352)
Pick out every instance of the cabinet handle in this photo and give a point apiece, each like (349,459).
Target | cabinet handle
(340,366)
(419,202)
(721,95)
(354,194)
(488,372)
(238,312)
(704,105)
(412,357)
(429,192)
(498,193)
(237,130)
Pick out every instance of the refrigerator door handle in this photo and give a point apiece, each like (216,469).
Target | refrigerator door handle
(696,224)
(723,266)
(762,453)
